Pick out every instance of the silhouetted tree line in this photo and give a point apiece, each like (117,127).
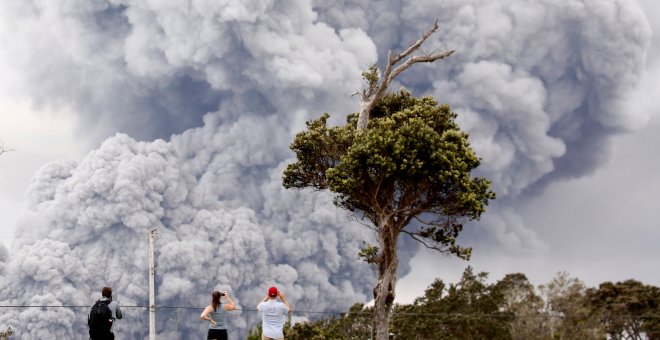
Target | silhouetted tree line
(511,308)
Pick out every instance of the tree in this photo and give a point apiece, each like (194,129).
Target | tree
(474,307)
(627,309)
(568,311)
(409,172)
(466,310)
(518,298)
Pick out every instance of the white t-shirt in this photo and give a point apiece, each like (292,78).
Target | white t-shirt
(273,316)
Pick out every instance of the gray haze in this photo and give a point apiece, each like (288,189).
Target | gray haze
(541,86)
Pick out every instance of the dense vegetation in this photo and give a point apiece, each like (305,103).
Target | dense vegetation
(511,308)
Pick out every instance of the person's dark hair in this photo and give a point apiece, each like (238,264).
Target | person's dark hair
(106,291)
(215,299)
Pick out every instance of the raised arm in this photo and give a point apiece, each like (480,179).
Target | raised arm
(286,303)
(230,305)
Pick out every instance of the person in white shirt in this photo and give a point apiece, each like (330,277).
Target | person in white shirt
(273,315)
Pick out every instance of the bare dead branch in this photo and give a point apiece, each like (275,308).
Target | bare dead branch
(376,89)
(418,43)
(420,59)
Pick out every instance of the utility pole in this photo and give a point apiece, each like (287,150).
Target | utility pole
(153,234)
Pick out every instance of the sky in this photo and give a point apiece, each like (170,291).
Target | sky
(124,115)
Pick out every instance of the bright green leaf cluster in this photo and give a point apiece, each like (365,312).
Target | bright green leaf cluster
(412,161)
(369,253)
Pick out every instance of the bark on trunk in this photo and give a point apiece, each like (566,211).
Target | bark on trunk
(384,291)
(363,118)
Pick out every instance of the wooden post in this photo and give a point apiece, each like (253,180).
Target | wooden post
(153,233)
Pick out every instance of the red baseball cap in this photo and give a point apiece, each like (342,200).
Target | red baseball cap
(272,292)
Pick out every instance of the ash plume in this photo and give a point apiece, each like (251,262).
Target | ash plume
(226,85)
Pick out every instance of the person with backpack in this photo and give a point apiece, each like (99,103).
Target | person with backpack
(102,316)
(217,316)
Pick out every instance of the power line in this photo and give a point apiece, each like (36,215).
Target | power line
(652,316)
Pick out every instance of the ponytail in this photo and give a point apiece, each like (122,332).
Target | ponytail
(215,299)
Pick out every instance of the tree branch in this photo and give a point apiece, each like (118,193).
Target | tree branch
(359,221)
(420,59)
(377,87)
(418,43)
(437,247)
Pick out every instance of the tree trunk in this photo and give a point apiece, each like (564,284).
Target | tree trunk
(363,119)
(384,291)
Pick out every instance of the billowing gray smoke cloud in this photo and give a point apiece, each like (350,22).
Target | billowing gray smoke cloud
(541,86)
(88,228)
(538,85)
(547,105)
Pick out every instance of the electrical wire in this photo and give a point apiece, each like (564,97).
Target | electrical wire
(651,316)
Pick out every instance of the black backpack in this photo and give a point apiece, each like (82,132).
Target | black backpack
(100,317)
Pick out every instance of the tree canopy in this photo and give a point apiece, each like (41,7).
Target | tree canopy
(412,163)
(408,172)
(627,309)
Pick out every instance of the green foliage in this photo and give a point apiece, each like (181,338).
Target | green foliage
(254,333)
(466,310)
(354,325)
(371,76)
(412,162)
(318,149)
(511,308)
(517,298)
(627,309)
(567,308)
(369,253)
(308,330)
